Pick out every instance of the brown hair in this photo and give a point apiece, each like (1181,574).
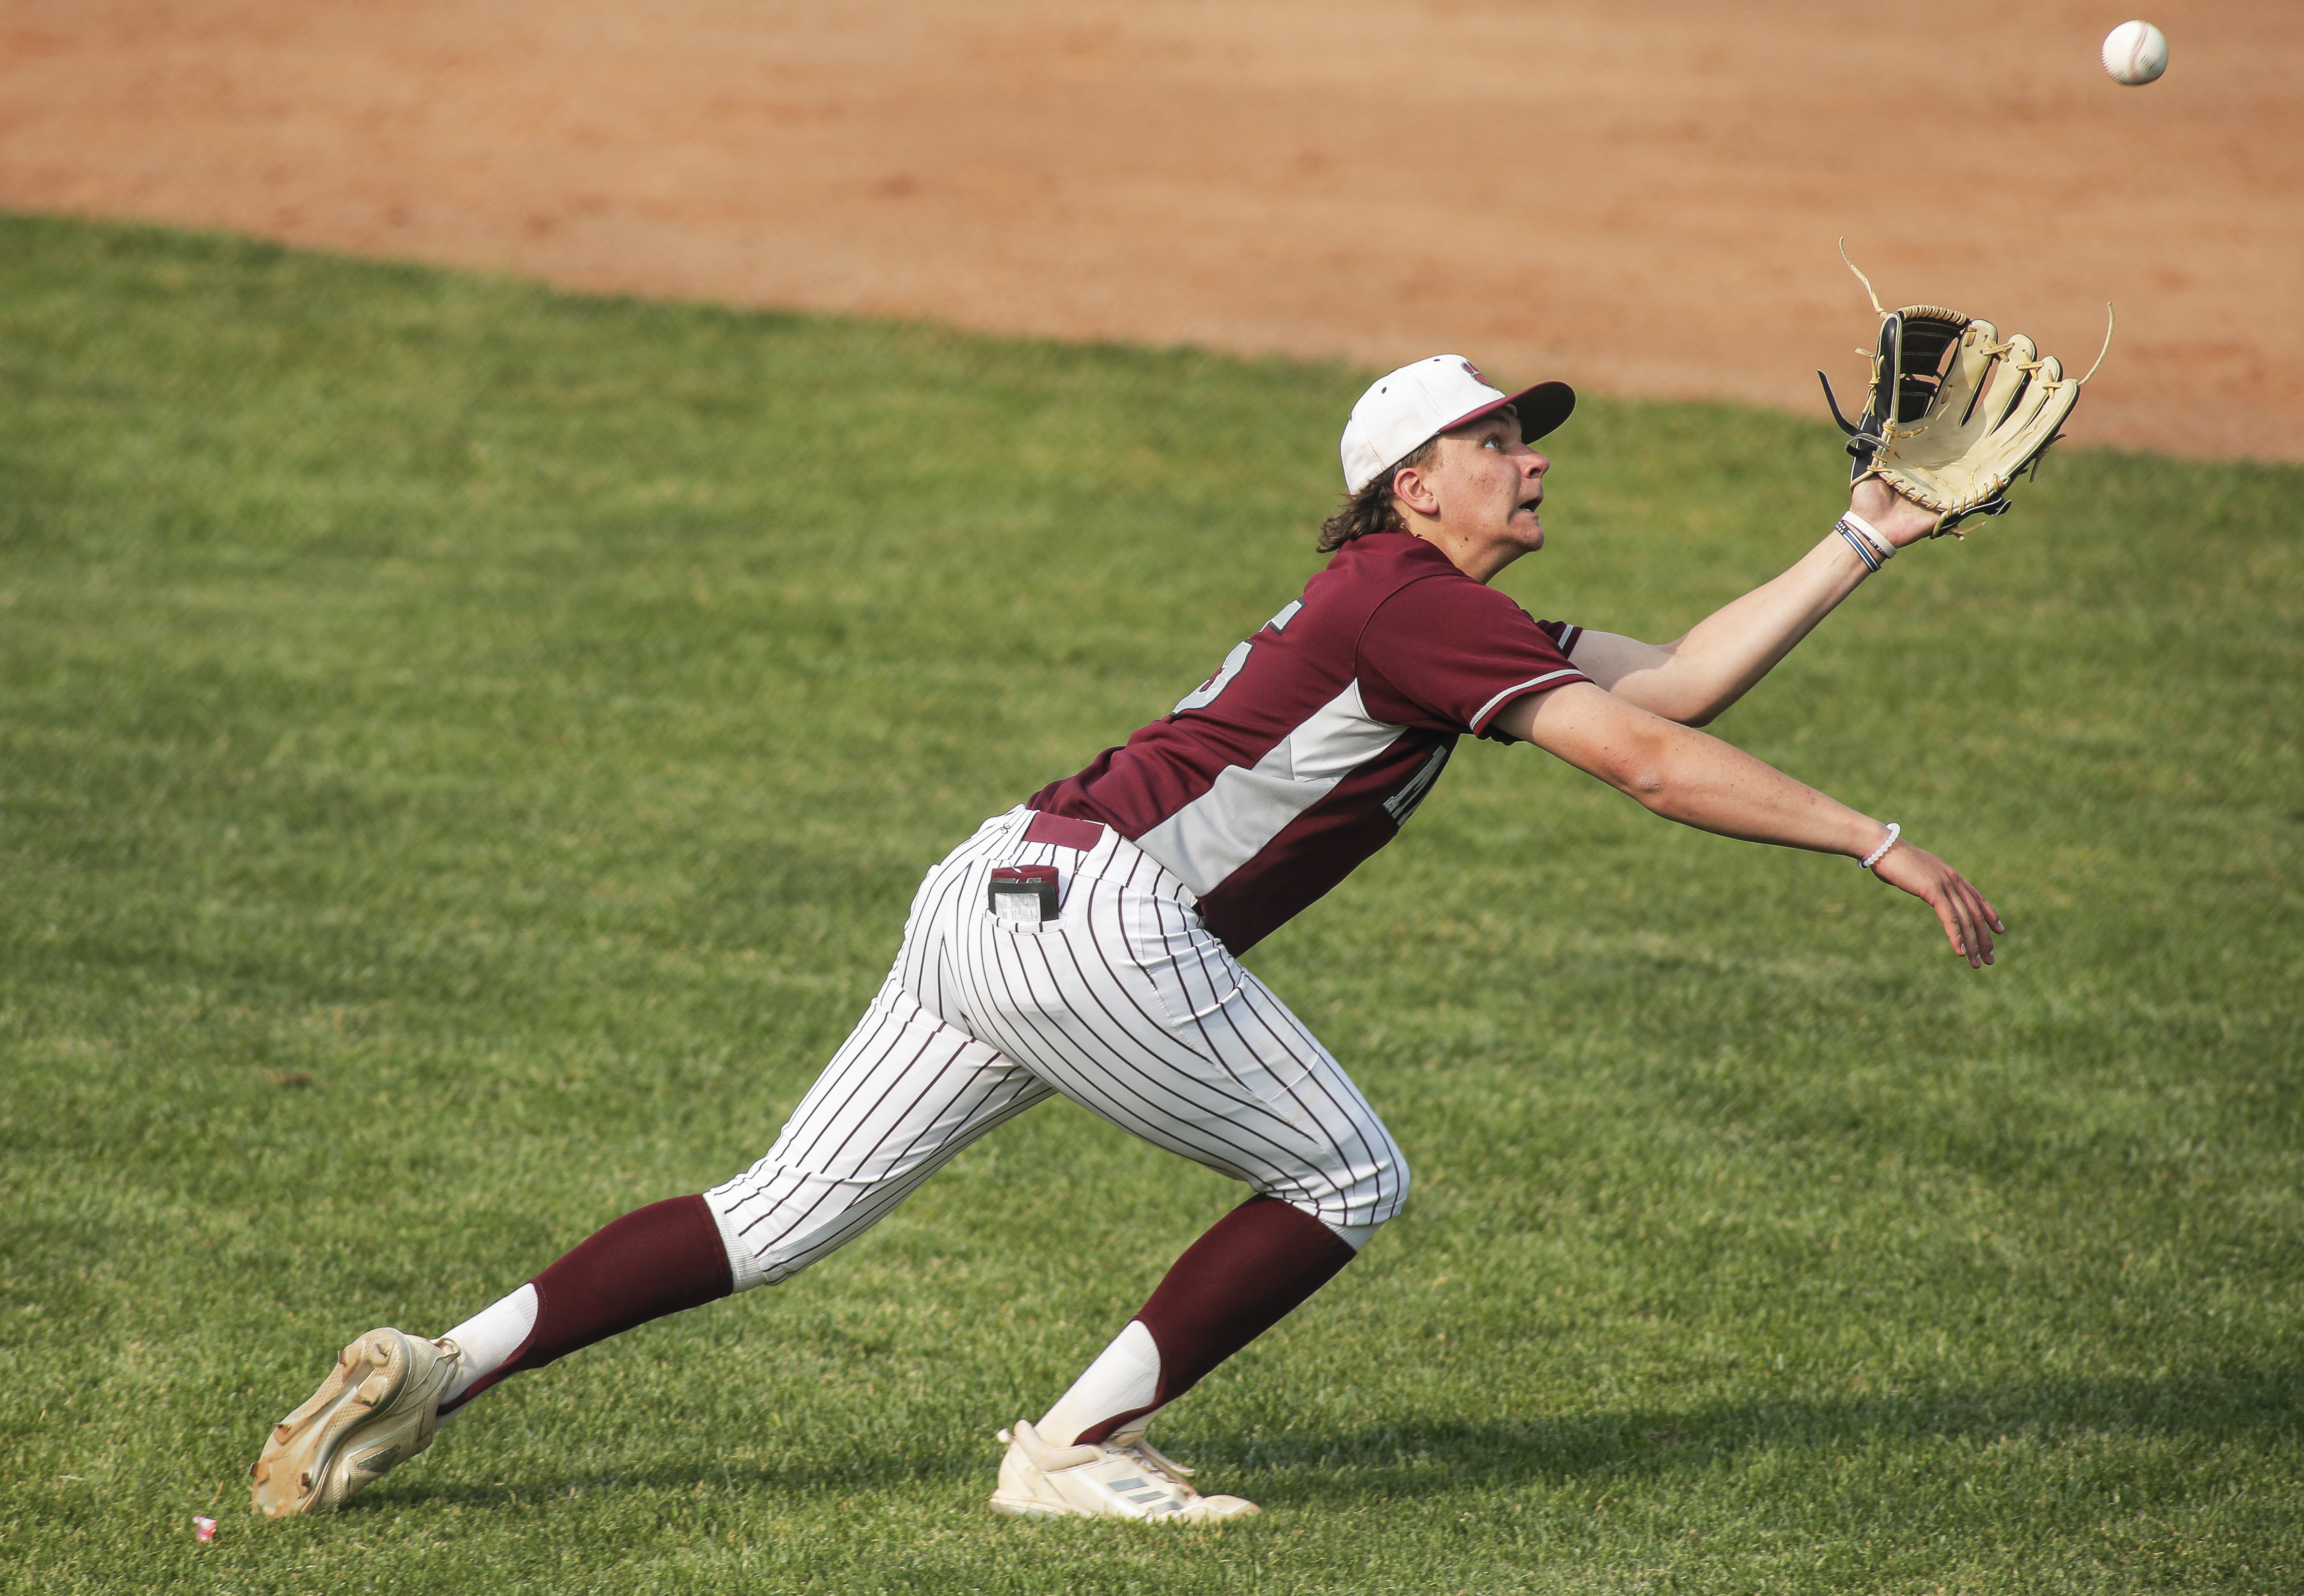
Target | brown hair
(1371,509)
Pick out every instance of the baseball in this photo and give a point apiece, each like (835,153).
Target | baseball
(2135,54)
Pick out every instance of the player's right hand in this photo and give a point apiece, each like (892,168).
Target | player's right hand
(1968,921)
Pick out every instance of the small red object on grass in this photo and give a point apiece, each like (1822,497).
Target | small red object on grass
(204,1530)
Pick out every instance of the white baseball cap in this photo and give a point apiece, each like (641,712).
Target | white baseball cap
(1401,412)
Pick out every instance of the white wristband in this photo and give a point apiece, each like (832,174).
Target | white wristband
(1871,534)
(1880,852)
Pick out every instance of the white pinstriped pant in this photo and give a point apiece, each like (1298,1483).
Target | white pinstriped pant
(1126,1004)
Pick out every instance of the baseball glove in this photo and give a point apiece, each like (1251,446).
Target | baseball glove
(1956,414)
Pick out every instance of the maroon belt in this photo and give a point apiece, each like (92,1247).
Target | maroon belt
(1064,831)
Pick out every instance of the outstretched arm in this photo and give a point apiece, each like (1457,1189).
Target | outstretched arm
(1722,656)
(1700,781)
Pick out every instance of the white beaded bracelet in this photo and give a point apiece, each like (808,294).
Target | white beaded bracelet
(1880,852)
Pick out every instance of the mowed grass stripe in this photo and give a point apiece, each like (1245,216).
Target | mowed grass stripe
(465,753)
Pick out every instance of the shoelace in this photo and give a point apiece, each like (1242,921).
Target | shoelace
(1136,1446)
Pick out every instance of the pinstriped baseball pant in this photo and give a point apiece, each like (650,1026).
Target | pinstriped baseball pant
(1126,1004)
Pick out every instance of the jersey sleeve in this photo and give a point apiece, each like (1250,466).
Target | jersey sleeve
(1452,653)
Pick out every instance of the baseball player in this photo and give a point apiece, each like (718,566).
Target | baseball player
(1089,943)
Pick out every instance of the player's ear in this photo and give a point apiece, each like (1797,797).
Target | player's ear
(1412,491)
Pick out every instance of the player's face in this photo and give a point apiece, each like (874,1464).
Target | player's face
(1489,488)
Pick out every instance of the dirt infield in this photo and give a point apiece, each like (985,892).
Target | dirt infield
(1640,196)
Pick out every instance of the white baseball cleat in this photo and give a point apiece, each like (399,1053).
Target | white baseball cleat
(1124,1478)
(377,1409)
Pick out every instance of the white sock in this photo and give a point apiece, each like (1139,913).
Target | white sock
(744,1270)
(1124,1377)
(490,1338)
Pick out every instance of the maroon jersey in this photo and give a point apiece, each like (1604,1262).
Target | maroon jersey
(1318,737)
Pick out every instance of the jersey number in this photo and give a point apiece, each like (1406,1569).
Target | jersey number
(1206,693)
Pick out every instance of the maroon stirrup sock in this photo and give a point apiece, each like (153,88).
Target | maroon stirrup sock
(655,1261)
(1248,1273)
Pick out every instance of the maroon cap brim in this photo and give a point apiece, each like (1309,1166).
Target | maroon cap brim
(1541,410)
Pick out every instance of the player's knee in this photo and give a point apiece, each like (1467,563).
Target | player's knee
(1391,1193)
(1377,1195)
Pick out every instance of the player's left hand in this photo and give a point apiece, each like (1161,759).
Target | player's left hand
(1968,921)
(1896,518)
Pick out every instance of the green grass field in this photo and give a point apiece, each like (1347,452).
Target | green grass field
(465,752)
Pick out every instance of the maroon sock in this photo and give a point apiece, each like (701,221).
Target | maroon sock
(655,1261)
(1251,1269)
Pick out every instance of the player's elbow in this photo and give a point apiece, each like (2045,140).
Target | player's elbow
(1634,750)
(1648,781)
(1700,709)
(1671,687)
(1667,775)
(1696,705)
(1645,773)
(1676,701)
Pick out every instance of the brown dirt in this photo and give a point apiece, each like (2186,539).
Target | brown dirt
(1640,196)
